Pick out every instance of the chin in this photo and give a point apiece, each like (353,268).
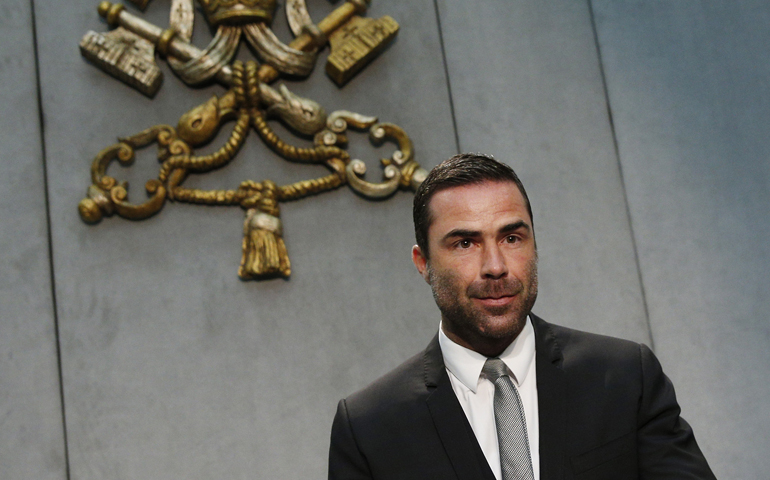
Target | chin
(499,328)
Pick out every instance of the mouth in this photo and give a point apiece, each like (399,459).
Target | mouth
(495,301)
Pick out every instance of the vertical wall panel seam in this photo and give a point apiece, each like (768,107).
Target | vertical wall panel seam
(620,170)
(446,75)
(41,119)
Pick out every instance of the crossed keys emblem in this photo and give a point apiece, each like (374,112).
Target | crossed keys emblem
(128,53)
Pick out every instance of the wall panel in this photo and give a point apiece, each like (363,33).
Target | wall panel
(172,366)
(31,430)
(527,88)
(689,86)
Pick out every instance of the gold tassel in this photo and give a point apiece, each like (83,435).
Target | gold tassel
(264,252)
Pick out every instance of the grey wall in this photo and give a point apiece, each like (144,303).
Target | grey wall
(31,434)
(131,349)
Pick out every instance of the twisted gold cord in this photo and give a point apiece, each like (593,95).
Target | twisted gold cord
(215,160)
(304,188)
(290,152)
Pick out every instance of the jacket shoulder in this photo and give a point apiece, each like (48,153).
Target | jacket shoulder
(576,347)
(403,385)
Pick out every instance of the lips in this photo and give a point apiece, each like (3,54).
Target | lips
(496,301)
(496,290)
(497,297)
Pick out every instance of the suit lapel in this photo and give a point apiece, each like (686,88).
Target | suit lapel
(451,423)
(551,399)
(456,434)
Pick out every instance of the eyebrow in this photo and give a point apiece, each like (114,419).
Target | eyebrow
(462,233)
(515,226)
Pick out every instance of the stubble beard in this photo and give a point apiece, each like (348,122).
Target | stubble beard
(477,325)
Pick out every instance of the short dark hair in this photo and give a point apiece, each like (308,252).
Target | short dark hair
(462,169)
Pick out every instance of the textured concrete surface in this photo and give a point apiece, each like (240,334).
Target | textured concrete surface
(688,86)
(31,429)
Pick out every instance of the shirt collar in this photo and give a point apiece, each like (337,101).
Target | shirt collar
(466,365)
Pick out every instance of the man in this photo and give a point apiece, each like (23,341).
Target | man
(499,393)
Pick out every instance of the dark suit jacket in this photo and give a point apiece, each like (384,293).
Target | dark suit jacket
(606,411)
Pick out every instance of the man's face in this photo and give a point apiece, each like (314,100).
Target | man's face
(483,264)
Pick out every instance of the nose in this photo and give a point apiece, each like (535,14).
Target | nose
(493,263)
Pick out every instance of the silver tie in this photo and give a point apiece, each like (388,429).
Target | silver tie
(515,460)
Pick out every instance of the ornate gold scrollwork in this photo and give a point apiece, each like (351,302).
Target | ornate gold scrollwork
(249,102)
(398,171)
(106,196)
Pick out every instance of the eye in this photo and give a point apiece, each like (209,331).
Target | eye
(464,243)
(511,239)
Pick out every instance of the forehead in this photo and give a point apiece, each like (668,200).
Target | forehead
(478,207)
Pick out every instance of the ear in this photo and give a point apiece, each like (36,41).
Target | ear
(420,262)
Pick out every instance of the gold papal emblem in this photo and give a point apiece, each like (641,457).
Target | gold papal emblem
(128,53)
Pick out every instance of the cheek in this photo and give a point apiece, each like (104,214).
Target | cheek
(446,280)
(463,268)
(522,262)
(463,271)
(528,273)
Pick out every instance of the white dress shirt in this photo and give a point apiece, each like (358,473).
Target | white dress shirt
(476,393)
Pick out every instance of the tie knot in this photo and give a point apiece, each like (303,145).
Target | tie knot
(494,368)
